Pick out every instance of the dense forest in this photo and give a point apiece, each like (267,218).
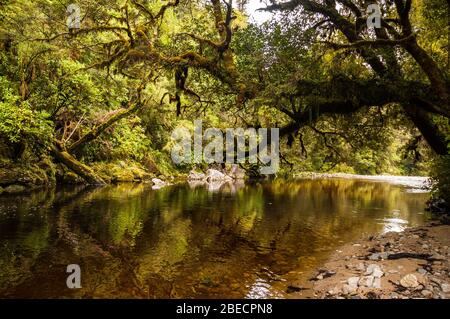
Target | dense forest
(94,99)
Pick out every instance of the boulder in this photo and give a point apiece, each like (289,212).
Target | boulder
(158,183)
(215,175)
(196,176)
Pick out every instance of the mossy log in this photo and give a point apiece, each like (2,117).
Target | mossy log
(76,166)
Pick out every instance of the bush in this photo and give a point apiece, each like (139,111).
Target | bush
(19,123)
(441,178)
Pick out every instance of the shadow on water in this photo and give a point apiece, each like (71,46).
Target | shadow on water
(187,240)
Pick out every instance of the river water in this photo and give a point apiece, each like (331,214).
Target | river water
(189,242)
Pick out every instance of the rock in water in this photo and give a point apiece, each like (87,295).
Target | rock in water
(158,183)
(196,176)
(409,281)
(215,175)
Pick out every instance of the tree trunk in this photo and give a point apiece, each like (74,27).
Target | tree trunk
(427,128)
(79,168)
(100,128)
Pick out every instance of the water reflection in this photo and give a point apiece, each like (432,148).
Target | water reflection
(187,240)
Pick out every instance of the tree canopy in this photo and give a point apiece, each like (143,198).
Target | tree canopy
(345,96)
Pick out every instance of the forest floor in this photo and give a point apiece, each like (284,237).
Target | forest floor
(410,264)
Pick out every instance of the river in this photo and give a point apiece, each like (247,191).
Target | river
(190,242)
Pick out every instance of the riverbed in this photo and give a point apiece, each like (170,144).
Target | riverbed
(191,241)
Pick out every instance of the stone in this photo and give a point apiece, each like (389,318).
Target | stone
(215,175)
(353,282)
(347,289)
(334,291)
(360,267)
(366,281)
(377,283)
(377,273)
(158,183)
(422,271)
(374,270)
(196,176)
(324,273)
(379,256)
(409,281)
(445,288)
(426,293)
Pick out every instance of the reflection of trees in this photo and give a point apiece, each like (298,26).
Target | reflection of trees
(177,241)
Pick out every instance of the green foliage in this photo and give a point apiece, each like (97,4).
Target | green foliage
(19,123)
(441,178)
(62,89)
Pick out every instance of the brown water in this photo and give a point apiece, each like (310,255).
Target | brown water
(133,242)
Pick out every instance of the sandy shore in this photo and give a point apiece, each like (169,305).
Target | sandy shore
(411,264)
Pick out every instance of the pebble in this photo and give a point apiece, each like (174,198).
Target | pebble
(347,289)
(333,291)
(426,293)
(409,281)
(366,281)
(377,283)
(353,282)
(421,271)
(378,256)
(374,270)
(445,288)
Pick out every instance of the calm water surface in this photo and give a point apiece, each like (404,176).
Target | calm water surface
(188,242)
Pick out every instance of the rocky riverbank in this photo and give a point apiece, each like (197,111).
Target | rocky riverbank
(410,264)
